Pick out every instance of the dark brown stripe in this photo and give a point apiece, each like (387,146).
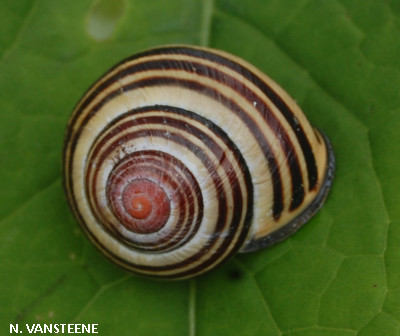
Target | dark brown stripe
(206,162)
(230,104)
(252,77)
(212,93)
(156,246)
(250,96)
(222,211)
(152,162)
(100,145)
(265,88)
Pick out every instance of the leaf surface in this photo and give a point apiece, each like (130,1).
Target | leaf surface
(339,275)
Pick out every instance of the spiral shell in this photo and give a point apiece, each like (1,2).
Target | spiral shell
(178,157)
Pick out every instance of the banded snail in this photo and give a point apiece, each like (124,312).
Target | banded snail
(180,156)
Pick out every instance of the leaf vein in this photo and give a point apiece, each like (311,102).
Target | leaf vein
(20,32)
(206,22)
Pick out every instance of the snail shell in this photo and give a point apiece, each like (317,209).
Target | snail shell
(178,157)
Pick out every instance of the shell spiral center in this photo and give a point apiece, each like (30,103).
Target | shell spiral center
(141,205)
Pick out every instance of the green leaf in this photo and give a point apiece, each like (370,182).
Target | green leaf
(339,275)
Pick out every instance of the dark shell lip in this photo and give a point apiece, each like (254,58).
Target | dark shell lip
(305,216)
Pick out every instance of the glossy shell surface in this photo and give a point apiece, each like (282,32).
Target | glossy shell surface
(179,157)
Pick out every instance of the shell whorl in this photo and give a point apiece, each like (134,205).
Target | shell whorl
(180,156)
